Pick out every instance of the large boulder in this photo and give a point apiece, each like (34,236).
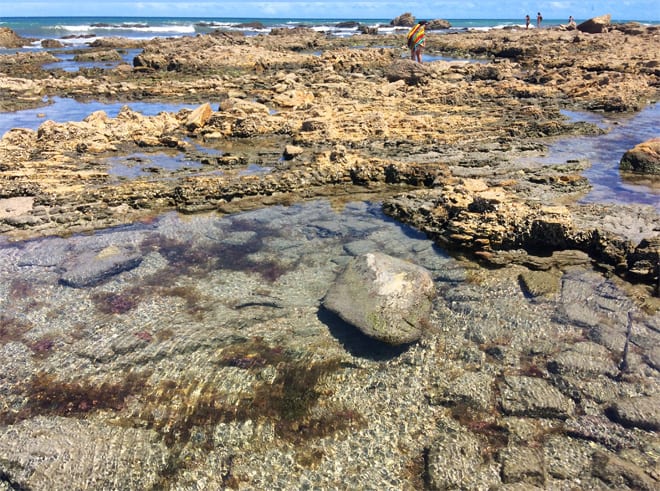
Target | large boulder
(643,158)
(404,20)
(9,39)
(409,71)
(596,25)
(437,24)
(386,298)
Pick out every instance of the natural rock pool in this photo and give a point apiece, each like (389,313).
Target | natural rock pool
(192,351)
(604,152)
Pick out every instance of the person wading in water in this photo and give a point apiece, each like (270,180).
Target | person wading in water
(416,39)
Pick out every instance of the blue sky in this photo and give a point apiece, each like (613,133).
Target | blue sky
(384,9)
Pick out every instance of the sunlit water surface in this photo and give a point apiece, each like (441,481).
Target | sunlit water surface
(199,303)
(604,152)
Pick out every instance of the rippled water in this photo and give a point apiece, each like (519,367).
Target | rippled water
(171,341)
(206,338)
(200,276)
(69,64)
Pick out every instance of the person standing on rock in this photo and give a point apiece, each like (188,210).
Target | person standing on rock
(539,19)
(416,40)
(527,21)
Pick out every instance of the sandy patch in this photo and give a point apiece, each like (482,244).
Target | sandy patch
(13,207)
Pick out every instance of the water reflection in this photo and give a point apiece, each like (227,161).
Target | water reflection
(604,152)
(68,63)
(62,110)
(140,164)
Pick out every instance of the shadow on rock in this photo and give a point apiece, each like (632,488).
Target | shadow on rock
(357,343)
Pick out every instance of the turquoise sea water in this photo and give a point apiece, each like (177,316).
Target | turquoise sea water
(149,27)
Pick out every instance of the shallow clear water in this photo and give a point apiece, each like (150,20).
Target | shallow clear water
(141,165)
(210,344)
(204,304)
(61,110)
(604,152)
(68,63)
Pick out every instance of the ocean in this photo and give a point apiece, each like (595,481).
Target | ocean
(82,29)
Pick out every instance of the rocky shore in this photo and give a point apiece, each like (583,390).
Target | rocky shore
(542,374)
(356,117)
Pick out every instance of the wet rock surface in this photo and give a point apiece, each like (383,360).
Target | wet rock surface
(194,350)
(386,298)
(90,268)
(644,158)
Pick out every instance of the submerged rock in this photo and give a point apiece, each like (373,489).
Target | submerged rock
(67,453)
(455,462)
(386,298)
(638,412)
(533,397)
(9,39)
(91,268)
(595,25)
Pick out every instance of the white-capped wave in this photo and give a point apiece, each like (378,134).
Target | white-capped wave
(176,29)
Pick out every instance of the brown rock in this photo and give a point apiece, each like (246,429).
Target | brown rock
(51,43)
(643,158)
(407,70)
(9,39)
(644,262)
(595,25)
(437,24)
(199,116)
(294,98)
(404,20)
(94,56)
(291,151)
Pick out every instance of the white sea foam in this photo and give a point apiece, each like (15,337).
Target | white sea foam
(86,28)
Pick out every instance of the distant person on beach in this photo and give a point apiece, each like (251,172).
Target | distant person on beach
(527,21)
(571,21)
(416,40)
(539,19)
